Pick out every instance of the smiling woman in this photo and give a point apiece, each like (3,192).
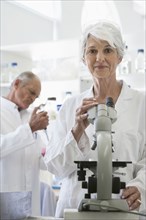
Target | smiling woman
(73,137)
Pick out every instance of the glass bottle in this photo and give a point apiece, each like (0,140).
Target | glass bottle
(51,107)
(140,61)
(126,63)
(68,94)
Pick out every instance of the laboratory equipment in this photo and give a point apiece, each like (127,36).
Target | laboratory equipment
(126,64)
(102,181)
(42,107)
(140,61)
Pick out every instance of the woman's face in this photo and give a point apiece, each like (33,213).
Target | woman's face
(100,58)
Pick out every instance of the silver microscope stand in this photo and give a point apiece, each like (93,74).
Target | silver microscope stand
(102,117)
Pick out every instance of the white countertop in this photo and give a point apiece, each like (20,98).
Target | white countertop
(43,218)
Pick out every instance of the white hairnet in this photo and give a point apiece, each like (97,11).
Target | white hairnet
(105,31)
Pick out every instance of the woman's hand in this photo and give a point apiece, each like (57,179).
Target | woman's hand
(81,117)
(132,196)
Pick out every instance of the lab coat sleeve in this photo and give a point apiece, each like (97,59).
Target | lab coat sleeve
(21,138)
(140,180)
(139,166)
(39,145)
(63,149)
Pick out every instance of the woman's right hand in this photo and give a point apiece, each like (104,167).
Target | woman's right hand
(81,117)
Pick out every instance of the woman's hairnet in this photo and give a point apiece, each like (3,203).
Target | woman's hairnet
(105,31)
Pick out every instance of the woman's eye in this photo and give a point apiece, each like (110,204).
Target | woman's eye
(108,50)
(91,51)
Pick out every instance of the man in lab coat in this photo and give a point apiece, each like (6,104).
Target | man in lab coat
(20,149)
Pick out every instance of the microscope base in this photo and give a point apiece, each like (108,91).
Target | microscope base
(72,214)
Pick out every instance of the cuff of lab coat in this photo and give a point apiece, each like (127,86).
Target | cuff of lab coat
(83,145)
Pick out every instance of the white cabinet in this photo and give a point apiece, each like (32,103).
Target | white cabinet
(4,89)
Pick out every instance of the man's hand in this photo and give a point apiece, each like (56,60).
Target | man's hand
(38,121)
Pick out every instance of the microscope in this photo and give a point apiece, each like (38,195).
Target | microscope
(102,182)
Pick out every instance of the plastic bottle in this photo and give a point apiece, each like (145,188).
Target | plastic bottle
(13,71)
(56,184)
(51,107)
(140,61)
(68,94)
(126,63)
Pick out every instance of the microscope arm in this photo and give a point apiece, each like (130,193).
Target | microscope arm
(102,117)
(104,168)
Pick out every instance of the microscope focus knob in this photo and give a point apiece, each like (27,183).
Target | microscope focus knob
(81,175)
(123,185)
(117,185)
(84,185)
(87,196)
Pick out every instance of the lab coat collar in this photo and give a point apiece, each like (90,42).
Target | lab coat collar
(121,105)
(126,95)
(7,103)
(126,92)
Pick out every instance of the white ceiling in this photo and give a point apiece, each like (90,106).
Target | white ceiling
(48,9)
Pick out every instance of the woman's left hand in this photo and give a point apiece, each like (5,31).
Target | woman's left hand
(132,196)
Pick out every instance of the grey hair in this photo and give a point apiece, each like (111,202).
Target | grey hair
(26,77)
(105,31)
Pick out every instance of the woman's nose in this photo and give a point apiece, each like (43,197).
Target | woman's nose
(100,57)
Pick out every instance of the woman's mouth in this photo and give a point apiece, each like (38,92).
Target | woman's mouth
(100,67)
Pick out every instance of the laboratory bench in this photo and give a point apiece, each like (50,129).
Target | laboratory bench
(43,218)
(73,214)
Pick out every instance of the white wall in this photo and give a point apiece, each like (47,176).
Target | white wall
(19,26)
(133,25)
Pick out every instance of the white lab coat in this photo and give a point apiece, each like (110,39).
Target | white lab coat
(20,154)
(129,141)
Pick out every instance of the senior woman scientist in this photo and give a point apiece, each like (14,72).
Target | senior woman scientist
(102,52)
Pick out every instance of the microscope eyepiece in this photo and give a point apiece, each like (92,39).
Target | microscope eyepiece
(110,102)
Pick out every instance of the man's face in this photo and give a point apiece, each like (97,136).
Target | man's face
(25,94)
